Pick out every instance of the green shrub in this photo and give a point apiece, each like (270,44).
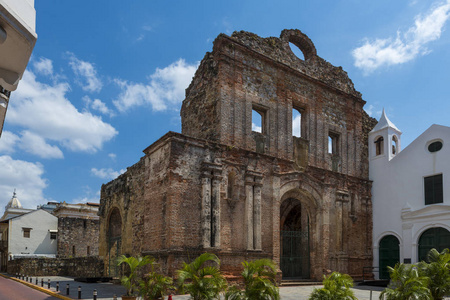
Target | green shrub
(437,269)
(406,283)
(201,279)
(259,280)
(131,281)
(335,287)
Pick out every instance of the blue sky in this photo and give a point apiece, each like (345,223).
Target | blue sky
(107,78)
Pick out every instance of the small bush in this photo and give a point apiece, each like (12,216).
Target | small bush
(335,287)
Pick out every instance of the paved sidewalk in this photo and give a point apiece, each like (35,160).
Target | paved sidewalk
(106,291)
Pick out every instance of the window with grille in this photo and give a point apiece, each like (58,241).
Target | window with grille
(433,189)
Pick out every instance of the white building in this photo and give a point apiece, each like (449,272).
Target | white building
(29,235)
(17,40)
(410,194)
(14,208)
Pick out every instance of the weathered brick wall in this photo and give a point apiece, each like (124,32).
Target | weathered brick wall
(125,194)
(167,200)
(77,234)
(74,267)
(264,73)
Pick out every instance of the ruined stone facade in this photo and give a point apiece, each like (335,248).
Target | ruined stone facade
(223,188)
(78,230)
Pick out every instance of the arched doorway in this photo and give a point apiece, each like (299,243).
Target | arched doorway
(437,237)
(114,241)
(294,233)
(389,254)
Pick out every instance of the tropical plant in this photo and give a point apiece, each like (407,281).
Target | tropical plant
(438,271)
(202,278)
(406,284)
(259,280)
(335,287)
(131,281)
(154,286)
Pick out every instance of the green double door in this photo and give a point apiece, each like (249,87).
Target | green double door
(438,238)
(389,252)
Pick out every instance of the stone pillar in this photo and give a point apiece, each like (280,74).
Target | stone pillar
(206,210)
(257,214)
(211,177)
(249,211)
(253,210)
(276,239)
(342,199)
(215,210)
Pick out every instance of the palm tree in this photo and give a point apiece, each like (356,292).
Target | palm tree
(202,278)
(335,287)
(259,279)
(438,270)
(406,284)
(130,281)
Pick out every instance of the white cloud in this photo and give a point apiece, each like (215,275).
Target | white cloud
(166,88)
(44,66)
(86,74)
(25,177)
(89,196)
(98,105)
(45,111)
(106,173)
(112,156)
(256,128)
(296,125)
(405,46)
(37,145)
(8,142)
(370,110)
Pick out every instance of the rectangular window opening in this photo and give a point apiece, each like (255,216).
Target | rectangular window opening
(333,139)
(433,189)
(26,232)
(258,120)
(297,122)
(53,235)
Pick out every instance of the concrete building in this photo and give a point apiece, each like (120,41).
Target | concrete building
(17,40)
(78,228)
(29,235)
(411,194)
(237,182)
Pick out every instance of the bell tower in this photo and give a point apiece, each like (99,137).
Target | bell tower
(384,144)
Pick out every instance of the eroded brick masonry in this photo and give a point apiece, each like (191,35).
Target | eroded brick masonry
(221,187)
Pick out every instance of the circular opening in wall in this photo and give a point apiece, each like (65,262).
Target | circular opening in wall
(296,50)
(435,146)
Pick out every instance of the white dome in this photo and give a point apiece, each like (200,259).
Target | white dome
(14,202)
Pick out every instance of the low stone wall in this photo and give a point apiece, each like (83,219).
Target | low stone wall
(74,267)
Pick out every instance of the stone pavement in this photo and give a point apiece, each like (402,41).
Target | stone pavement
(106,291)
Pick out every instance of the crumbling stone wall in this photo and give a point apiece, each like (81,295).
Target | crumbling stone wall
(74,267)
(77,237)
(223,188)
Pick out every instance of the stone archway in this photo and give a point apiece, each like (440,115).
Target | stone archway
(294,240)
(114,241)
